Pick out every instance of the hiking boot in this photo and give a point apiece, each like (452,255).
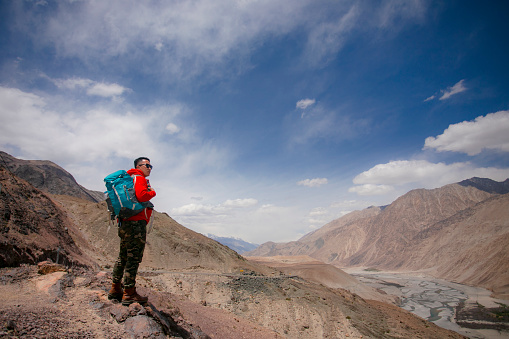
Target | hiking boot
(116,292)
(130,296)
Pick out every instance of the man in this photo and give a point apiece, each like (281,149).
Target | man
(133,232)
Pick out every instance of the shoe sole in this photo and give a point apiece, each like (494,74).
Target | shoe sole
(115,297)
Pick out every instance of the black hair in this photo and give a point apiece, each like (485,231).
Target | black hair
(140,159)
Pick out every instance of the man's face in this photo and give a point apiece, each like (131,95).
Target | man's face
(145,167)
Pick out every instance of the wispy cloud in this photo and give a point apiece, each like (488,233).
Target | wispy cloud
(450,91)
(447,93)
(471,137)
(240,203)
(305,103)
(371,189)
(313,182)
(321,123)
(105,90)
(198,36)
(72,83)
(194,210)
(172,128)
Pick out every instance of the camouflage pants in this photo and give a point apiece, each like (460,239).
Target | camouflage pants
(133,236)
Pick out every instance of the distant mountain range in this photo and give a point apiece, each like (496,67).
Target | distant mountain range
(458,232)
(238,245)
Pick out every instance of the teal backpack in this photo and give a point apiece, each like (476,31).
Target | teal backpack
(121,197)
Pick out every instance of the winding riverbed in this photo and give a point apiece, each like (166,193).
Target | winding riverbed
(432,299)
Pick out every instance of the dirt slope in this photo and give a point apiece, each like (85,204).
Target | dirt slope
(296,308)
(321,273)
(75,305)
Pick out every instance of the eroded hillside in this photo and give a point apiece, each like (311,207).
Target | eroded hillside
(33,228)
(456,232)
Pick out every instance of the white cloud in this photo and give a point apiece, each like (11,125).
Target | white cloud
(29,124)
(41,127)
(450,91)
(92,87)
(459,87)
(172,128)
(402,172)
(471,137)
(106,90)
(197,209)
(313,182)
(305,103)
(420,173)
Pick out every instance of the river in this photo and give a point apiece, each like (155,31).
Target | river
(432,299)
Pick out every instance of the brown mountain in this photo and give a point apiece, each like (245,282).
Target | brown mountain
(48,177)
(457,232)
(193,282)
(170,246)
(470,247)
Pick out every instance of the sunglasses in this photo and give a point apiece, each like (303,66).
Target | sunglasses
(149,166)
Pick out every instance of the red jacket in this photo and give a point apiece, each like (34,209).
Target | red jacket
(143,193)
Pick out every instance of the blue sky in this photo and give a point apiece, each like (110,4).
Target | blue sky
(264,119)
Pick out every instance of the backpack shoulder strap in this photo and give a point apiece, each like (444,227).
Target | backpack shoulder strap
(134,177)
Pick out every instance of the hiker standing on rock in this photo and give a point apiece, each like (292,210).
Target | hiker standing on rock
(133,233)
